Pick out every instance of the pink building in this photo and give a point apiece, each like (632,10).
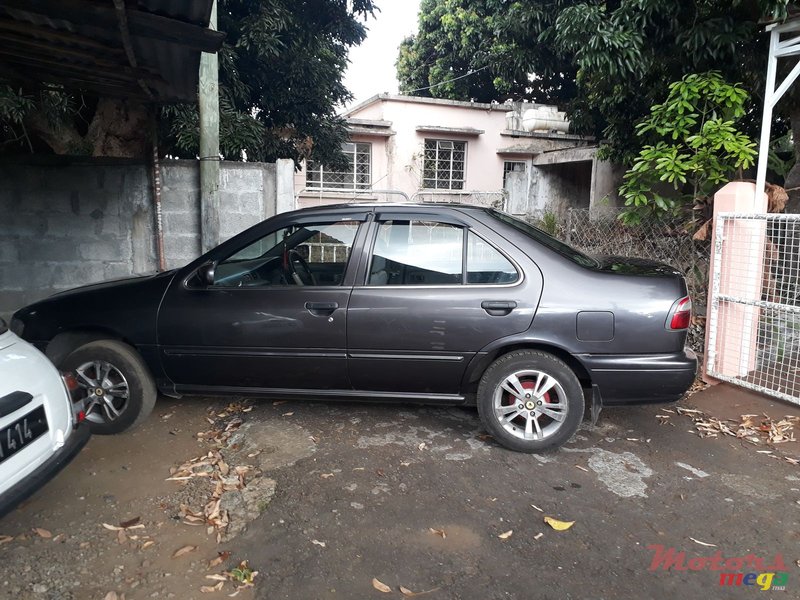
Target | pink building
(406,147)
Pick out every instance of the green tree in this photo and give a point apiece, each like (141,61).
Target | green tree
(470,49)
(605,62)
(691,147)
(281,84)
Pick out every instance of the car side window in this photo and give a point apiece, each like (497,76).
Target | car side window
(485,263)
(301,255)
(417,252)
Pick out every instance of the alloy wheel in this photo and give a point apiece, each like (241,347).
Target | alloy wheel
(106,388)
(530,405)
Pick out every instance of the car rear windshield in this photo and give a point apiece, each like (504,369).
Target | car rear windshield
(545,239)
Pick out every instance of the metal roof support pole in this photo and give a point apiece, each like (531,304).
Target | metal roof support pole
(208,102)
(777,49)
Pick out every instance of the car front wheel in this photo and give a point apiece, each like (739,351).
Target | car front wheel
(117,388)
(530,401)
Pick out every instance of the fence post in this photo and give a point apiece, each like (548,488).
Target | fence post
(569,226)
(736,269)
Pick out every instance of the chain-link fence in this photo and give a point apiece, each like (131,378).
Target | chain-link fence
(601,232)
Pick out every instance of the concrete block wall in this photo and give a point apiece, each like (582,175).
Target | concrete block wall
(66,223)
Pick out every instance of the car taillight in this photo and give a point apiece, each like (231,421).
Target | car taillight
(681,314)
(77,402)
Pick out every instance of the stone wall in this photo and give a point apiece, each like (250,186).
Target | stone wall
(70,222)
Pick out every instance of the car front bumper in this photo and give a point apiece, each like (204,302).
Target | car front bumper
(49,469)
(641,378)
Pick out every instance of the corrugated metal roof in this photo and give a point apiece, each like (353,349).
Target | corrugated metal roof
(80,45)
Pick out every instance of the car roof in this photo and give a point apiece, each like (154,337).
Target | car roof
(372,206)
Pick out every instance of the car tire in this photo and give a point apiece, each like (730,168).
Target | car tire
(115,369)
(530,401)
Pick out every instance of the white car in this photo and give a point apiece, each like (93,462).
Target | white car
(41,428)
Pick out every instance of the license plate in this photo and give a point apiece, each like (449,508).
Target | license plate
(22,432)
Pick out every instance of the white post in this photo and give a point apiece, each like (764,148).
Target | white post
(766,119)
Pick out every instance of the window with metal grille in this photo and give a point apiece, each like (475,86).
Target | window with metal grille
(357,176)
(443,167)
(512,166)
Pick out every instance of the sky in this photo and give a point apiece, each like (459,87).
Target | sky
(372,68)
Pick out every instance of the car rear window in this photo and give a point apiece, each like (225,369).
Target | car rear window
(545,239)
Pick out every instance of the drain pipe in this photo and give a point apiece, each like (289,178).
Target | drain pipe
(157,205)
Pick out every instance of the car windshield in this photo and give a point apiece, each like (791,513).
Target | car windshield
(545,239)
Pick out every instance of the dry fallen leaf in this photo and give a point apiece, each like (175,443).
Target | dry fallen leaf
(43,533)
(703,543)
(147,544)
(111,596)
(206,589)
(439,532)
(288,414)
(318,543)
(538,535)
(183,550)
(506,535)
(407,592)
(326,475)
(536,507)
(582,468)
(380,586)
(4,539)
(121,537)
(279,402)
(112,527)
(221,558)
(216,577)
(558,525)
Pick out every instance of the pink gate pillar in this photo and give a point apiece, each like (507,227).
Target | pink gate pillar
(737,269)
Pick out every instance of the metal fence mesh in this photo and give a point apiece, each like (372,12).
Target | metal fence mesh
(754,328)
(601,232)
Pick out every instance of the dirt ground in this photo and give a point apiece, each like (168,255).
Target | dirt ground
(321,499)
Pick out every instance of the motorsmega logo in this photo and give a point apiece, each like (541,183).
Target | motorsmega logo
(750,570)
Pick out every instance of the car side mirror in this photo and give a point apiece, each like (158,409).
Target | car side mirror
(206,273)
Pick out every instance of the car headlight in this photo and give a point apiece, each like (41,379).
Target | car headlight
(17,327)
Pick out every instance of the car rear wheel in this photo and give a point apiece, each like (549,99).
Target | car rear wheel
(117,388)
(530,401)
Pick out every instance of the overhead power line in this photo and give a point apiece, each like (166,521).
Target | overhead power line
(422,89)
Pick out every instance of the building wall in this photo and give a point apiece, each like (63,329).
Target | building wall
(72,223)
(397,160)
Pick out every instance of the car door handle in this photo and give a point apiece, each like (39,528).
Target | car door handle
(497,308)
(321,308)
(13,401)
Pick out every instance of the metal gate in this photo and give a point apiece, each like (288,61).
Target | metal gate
(754,310)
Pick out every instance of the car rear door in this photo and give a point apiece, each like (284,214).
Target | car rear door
(433,289)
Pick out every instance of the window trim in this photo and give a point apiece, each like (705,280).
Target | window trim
(450,187)
(321,187)
(362,279)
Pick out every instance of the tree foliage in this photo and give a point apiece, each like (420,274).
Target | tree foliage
(281,71)
(471,49)
(619,54)
(691,147)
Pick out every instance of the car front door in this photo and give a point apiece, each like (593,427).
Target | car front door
(273,315)
(433,291)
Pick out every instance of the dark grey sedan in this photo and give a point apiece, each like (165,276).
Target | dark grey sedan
(441,304)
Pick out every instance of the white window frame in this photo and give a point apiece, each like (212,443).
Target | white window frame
(330,185)
(443,184)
